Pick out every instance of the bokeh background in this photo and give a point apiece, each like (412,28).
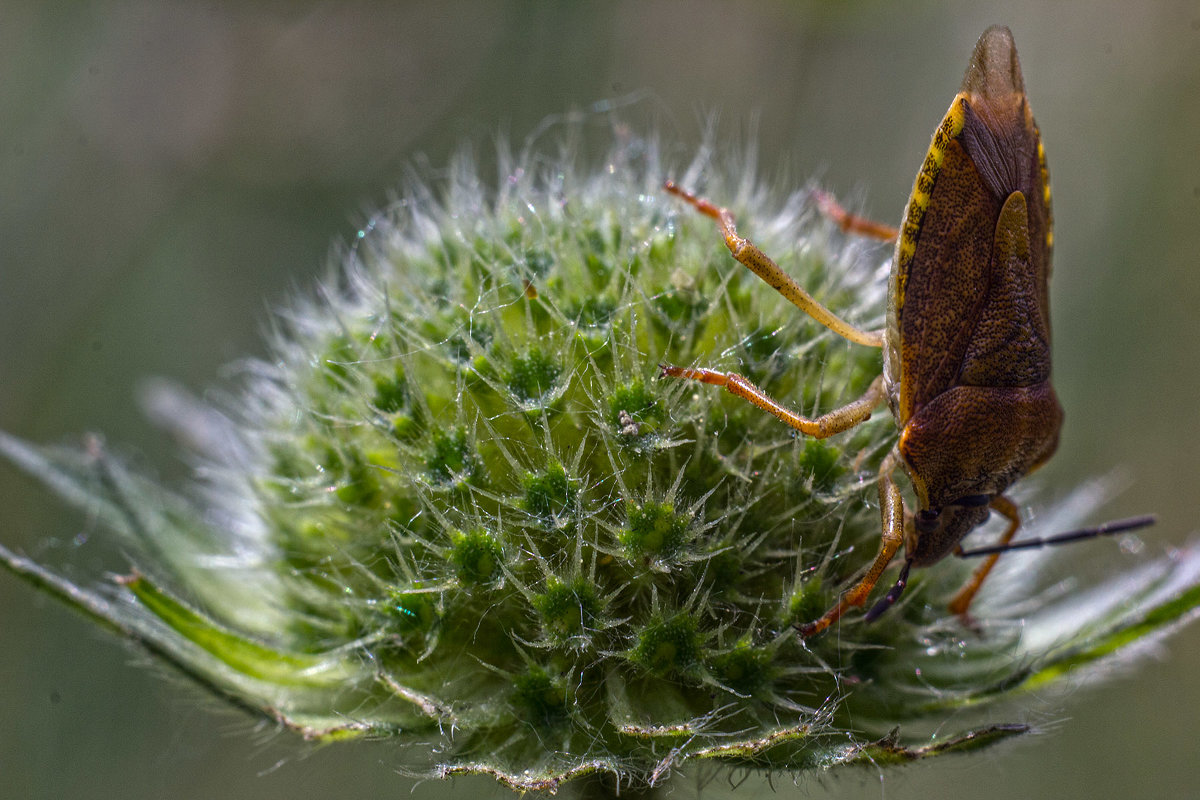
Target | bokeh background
(170,171)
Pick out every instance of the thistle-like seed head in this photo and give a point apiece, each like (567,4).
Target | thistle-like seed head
(458,506)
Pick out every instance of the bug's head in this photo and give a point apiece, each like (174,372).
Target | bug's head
(937,530)
(930,536)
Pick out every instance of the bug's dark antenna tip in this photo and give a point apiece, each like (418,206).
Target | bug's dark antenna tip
(1107,529)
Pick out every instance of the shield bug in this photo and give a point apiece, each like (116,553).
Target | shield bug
(966,346)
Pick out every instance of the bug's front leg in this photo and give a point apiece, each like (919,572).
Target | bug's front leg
(749,255)
(891,507)
(836,421)
(1008,509)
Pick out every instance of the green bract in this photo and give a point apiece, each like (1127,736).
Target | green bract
(458,506)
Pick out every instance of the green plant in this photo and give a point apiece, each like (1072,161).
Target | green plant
(457,506)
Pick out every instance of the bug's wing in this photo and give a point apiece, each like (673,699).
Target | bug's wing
(945,283)
(1011,342)
(970,293)
(1007,147)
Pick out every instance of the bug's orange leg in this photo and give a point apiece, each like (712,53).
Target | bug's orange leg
(852,223)
(891,507)
(836,421)
(758,262)
(962,601)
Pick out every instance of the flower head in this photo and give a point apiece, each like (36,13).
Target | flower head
(458,507)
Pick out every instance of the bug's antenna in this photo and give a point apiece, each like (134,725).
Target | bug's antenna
(1107,529)
(891,597)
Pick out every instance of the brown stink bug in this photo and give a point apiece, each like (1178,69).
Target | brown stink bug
(966,347)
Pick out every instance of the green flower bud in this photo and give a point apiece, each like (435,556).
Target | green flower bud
(459,510)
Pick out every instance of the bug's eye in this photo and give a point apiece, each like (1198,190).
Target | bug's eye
(927,519)
(973,500)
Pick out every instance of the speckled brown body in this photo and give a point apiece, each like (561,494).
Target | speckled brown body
(967,347)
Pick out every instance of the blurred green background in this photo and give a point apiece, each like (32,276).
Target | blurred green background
(170,171)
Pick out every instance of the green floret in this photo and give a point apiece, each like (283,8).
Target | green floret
(655,530)
(532,376)
(452,460)
(541,698)
(670,647)
(549,494)
(477,557)
(567,609)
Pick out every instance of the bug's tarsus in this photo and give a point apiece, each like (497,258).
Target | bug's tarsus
(1107,529)
(889,599)
(705,207)
(852,223)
